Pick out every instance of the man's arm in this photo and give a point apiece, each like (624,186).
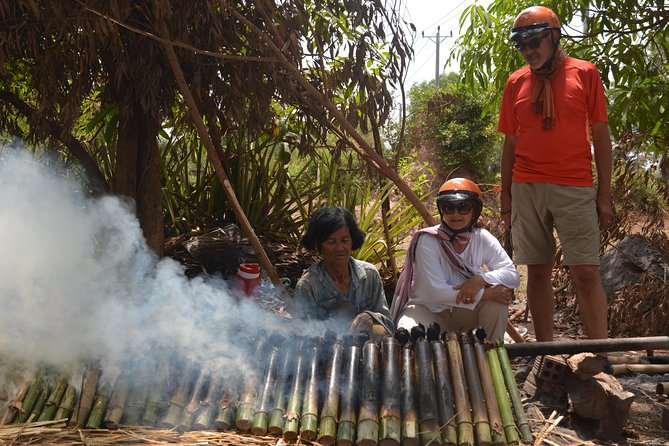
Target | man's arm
(601,141)
(508,158)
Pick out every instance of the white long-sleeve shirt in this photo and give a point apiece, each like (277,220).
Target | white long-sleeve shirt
(434,277)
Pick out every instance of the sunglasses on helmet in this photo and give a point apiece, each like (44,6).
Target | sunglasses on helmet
(532,44)
(463,208)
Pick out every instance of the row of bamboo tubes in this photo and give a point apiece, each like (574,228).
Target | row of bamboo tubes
(455,389)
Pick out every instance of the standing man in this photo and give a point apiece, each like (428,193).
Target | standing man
(552,110)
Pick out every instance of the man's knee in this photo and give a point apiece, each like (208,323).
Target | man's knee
(587,275)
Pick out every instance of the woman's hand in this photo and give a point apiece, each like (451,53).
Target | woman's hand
(498,293)
(362,323)
(469,289)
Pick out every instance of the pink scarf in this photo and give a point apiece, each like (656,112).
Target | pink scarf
(542,96)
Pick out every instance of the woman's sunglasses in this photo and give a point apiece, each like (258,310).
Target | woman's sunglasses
(464,207)
(531,44)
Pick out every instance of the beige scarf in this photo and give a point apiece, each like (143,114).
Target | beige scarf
(542,96)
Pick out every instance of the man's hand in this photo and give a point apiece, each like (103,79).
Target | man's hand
(469,289)
(362,323)
(604,210)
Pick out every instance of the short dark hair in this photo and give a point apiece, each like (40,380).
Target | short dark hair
(325,221)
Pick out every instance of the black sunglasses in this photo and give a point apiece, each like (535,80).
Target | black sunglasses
(531,44)
(464,207)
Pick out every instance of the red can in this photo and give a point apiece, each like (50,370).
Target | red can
(248,278)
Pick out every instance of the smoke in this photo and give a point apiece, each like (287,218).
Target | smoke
(78,284)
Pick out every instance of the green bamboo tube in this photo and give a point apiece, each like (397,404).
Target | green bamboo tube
(463,416)
(117,401)
(510,432)
(514,393)
(205,419)
(348,417)
(445,404)
(309,414)
(479,413)
(135,405)
(39,403)
(494,417)
(261,418)
(66,406)
(194,406)
(227,412)
(99,408)
(157,392)
(179,399)
(51,405)
(12,409)
(427,394)
(295,395)
(276,416)
(409,393)
(327,429)
(88,392)
(390,415)
(246,408)
(370,388)
(31,397)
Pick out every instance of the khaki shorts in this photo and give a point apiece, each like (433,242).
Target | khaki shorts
(538,208)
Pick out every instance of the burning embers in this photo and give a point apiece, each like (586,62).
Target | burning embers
(423,387)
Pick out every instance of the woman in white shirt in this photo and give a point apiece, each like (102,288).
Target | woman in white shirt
(456,274)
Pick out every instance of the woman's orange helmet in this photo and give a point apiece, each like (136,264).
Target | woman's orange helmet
(461,189)
(533,20)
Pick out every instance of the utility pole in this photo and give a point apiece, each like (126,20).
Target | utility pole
(438,40)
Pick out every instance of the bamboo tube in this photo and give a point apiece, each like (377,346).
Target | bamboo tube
(463,415)
(276,417)
(39,403)
(503,402)
(309,415)
(494,417)
(445,404)
(156,392)
(408,392)
(54,399)
(261,418)
(14,405)
(662,388)
(117,401)
(390,415)
(25,409)
(227,412)
(205,419)
(293,407)
(327,429)
(99,409)
(179,399)
(476,398)
(348,418)
(66,406)
(427,394)
(88,392)
(135,405)
(514,393)
(368,418)
(194,405)
(247,399)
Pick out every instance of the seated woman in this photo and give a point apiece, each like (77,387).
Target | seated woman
(339,286)
(456,274)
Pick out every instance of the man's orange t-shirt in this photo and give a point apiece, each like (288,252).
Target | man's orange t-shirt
(561,154)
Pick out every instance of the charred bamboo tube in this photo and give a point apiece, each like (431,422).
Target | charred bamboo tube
(327,429)
(479,413)
(39,403)
(294,406)
(276,418)
(445,405)
(54,399)
(117,402)
(193,407)
(227,412)
(88,392)
(427,398)
(390,416)
(157,391)
(309,418)
(494,417)
(348,416)
(368,418)
(408,391)
(260,422)
(67,404)
(463,415)
(178,401)
(25,409)
(510,432)
(514,393)
(99,409)
(247,400)
(205,419)
(13,405)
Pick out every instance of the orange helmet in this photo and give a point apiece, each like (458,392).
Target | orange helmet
(533,20)
(461,189)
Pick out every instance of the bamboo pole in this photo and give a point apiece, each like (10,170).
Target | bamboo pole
(157,391)
(247,399)
(135,406)
(494,416)
(179,399)
(445,404)
(260,422)
(293,407)
(510,431)
(194,406)
(309,414)
(87,396)
(39,403)
(427,398)
(26,407)
(205,419)
(409,392)
(368,418)
(348,416)
(66,406)
(117,401)
(327,429)
(99,408)
(14,405)
(463,416)
(476,398)
(51,405)
(277,415)
(227,412)
(587,345)
(390,416)
(514,393)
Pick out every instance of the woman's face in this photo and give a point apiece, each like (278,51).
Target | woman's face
(336,249)
(458,214)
